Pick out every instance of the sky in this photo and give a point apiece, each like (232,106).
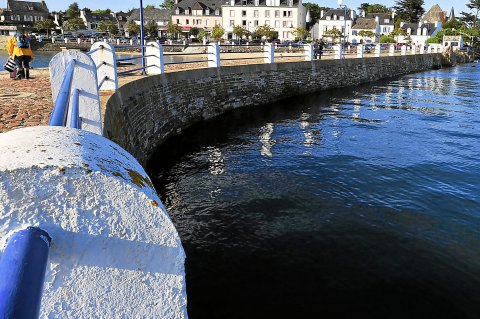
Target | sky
(117,5)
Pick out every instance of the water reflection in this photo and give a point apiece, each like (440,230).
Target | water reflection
(266,140)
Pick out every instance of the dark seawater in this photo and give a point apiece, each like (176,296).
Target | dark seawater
(42,58)
(357,203)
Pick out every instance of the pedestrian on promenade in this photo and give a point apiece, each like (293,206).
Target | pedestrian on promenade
(18,48)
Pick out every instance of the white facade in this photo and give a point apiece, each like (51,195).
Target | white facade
(334,19)
(283,17)
(419,33)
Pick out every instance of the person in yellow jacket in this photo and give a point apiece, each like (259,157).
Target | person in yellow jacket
(18,48)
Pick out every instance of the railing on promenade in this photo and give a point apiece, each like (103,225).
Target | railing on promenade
(60,108)
(22,273)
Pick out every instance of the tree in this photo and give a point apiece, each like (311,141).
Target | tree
(398,32)
(133,29)
(46,24)
(364,7)
(74,24)
(108,26)
(334,34)
(367,34)
(73,11)
(149,7)
(377,8)
(217,32)
(168,4)
(195,31)
(239,31)
(151,28)
(173,29)
(475,6)
(202,35)
(265,31)
(315,12)
(409,10)
(386,39)
(300,33)
(107,11)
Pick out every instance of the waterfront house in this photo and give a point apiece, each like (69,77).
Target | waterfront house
(455,41)
(121,19)
(22,15)
(385,22)
(282,15)
(93,20)
(364,24)
(419,33)
(160,16)
(197,14)
(335,19)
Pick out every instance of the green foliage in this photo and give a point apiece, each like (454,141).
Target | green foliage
(151,28)
(108,26)
(265,31)
(373,8)
(194,31)
(99,11)
(398,32)
(173,30)
(434,40)
(334,34)
(133,29)
(217,32)
(73,11)
(168,4)
(202,35)
(46,24)
(367,34)
(239,31)
(386,39)
(315,11)
(300,33)
(149,7)
(409,10)
(74,24)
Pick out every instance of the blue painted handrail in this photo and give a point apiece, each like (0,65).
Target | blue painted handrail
(74,115)
(60,109)
(22,272)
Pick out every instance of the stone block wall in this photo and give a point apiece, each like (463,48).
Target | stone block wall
(144,113)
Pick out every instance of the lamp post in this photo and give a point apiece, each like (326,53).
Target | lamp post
(142,38)
(344,7)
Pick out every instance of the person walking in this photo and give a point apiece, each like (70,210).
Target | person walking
(18,48)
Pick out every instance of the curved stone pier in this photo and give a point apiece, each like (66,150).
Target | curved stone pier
(144,113)
(115,252)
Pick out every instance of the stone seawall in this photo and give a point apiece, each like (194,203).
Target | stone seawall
(144,113)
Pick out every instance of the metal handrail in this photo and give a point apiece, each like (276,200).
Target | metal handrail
(60,109)
(186,62)
(22,273)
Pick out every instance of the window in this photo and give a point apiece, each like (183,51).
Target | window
(277,24)
(289,14)
(206,22)
(267,22)
(187,21)
(354,32)
(325,29)
(232,13)
(217,12)
(244,2)
(267,14)
(341,18)
(284,24)
(178,21)
(199,21)
(187,11)
(244,23)
(284,14)
(232,23)
(335,17)
(257,3)
(217,22)
(244,13)
(277,13)
(255,23)
(197,12)
(177,11)
(328,18)
(255,13)
(387,20)
(207,12)
(290,3)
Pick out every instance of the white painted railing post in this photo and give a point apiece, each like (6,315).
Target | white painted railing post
(413,49)
(338,51)
(403,50)
(154,59)
(213,53)
(360,51)
(378,50)
(391,50)
(422,49)
(131,41)
(118,41)
(308,51)
(53,39)
(84,80)
(269,53)
(79,40)
(65,40)
(92,40)
(103,54)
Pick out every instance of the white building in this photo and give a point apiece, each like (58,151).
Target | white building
(282,15)
(419,33)
(334,19)
(203,14)
(455,41)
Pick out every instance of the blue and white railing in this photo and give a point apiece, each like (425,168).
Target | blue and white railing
(22,273)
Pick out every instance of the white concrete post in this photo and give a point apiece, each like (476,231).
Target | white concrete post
(378,50)
(53,40)
(118,41)
(92,40)
(106,63)
(85,80)
(154,59)
(269,53)
(391,50)
(290,47)
(360,51)
(213,53)
(422,49)
(338,51)
(79,40)
(204,41)
(115,252)
(308,48)
(413,49)
(403,50)
(131,41)
(65,40)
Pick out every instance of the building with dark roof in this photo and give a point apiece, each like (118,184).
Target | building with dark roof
(93,20)
(419,33)
(22,15)
(336,19)
(435,13)
(161,17)
(204,14)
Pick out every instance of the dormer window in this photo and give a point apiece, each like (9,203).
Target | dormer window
(290,3)
(217,12)
(341,18)
(187,11)
(335,17)
(207,12)
(177,11)
(328,18)
(30,8)
(387,20)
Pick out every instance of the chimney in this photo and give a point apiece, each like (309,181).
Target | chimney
(353,14)
(402,23)
(419,24)
(377,20)
(322,13)
(364,13)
